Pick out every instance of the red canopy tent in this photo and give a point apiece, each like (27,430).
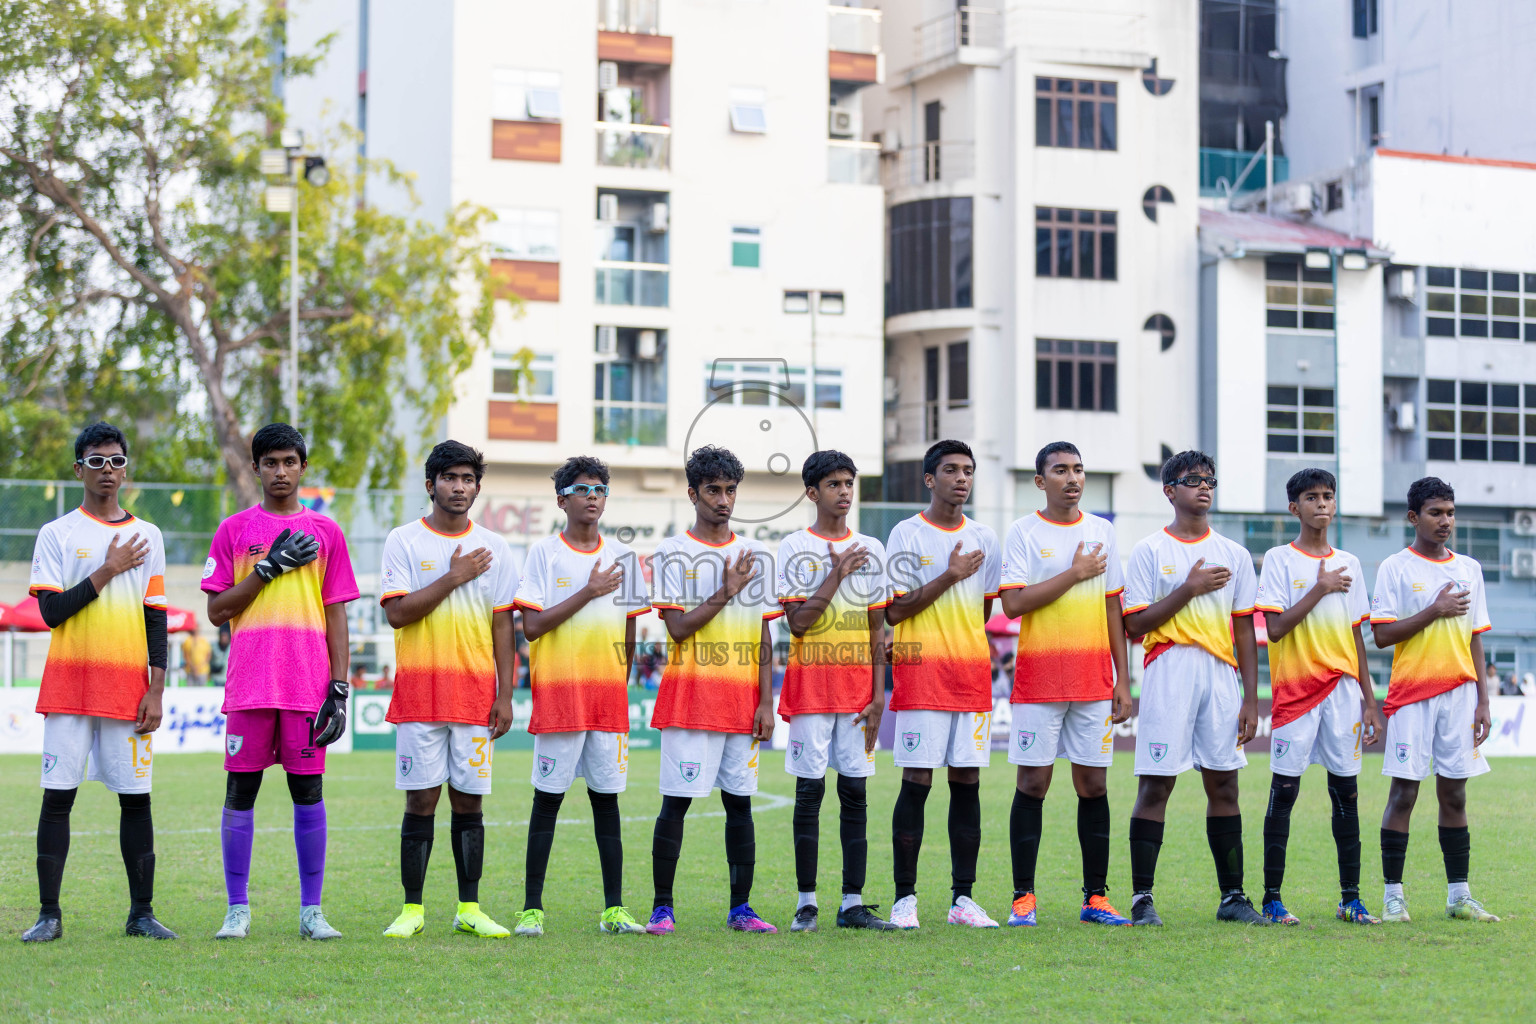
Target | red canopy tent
(26,617)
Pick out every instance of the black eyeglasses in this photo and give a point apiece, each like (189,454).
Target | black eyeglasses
(103,461)
(1195,480)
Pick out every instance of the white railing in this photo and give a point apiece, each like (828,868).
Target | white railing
(633,145)
(960,28)
(632,284)
(929,161)
(638,16)
(853,163)
(853,29)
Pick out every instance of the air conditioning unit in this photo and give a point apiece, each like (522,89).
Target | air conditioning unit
(1404,417)
(608,341)
(659,217)
(608,207)
(843,122)
(1298,198)
(607,75)
(617,108)
(891,391)
(1402,283)
(1522,563)
(892,431)
(1524,522)
(890,141)
(646,345)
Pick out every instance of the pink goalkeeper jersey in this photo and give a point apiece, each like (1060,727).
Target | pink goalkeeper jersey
(277,652)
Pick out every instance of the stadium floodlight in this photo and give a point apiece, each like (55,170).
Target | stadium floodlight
(1353,259)
(1319,259)
(274,161)
(279,199)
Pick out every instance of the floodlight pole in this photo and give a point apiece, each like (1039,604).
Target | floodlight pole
(293,294)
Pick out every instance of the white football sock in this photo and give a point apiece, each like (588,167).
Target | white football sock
(1393,889)
(852,899)
(1457,891)
(807,899)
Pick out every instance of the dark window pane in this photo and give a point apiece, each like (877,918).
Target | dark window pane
(1064,384)
(1506,396)
(1042,252)
(1440,421)
(1044,345)
(1280,270)
(1475,451)
(1530,331)
(959,372)
(1043,85)
(1085,396)
(1442,448)
(1281,420)
(1440,327)
(1506,451)
(1282,442)
(1064,84)
(931,374)
(1281,395)
(1474,392)
(1474,279)
(1044,213)
(1107,218)
(1530,282)
(1317,445)
(1317,397)
(1108,270)
(1085,254)
(1108,131)
(1316,321)
(1106,88)
(1064,130)
(1280,318)
(1316,276)
(1042,121)
(1474,421)
(1085,132)
(1108,400)
(1063,252)
(1474,328)
(1506,329)
(1042,383)
(1087,216)
(1530,396)
(1530,455)
(1442,277)
(1506,282)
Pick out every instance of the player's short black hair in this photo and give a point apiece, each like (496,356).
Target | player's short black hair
(98,433)
(278,437)
(578,465)
(1184,463)
(1428,489)
(1309,479)
(1052,449)
(448,454)
(820,465)
(934,455)
(712,463)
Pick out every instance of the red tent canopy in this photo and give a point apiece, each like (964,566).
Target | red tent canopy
(179,620)
(25,617)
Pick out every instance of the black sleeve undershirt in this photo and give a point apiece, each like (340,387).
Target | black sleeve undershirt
(56,609)
(154,633)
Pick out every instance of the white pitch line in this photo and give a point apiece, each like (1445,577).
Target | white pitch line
(760,802)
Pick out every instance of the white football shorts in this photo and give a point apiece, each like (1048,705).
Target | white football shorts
(938,739)
(428,754)
(77,748)
(602,758)
(695,761)
(1190,700)
(1079,730)
(1434,737)
(818,740)
(1329,734)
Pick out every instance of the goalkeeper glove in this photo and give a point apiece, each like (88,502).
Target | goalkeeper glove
(331,722)
(288,551)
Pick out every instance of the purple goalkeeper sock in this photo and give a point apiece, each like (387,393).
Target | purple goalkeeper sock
(309,838)
(237,834)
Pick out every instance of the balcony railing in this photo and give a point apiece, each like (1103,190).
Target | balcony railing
(853,29)
(1226,165)
(929,161)
(633,145)
(638,16)
(959,29)
(629,423)
(632,284)
(853,163)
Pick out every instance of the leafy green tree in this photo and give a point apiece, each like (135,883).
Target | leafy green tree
(146,281)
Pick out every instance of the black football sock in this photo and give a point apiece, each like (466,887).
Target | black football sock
(1024,840)
(1146,841)
(740,845)
(907,835)
(1456,848)
(52,847)
(1283,790)
(1093,840)
(468,834)
(964,835)
(1344,794)
(607,828)
(1225,834)
(415,851)
(853,830)
(136,839)
(541,837)
(1394,852)
(666,846)
(806,829)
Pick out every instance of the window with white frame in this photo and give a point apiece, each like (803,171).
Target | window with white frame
(1300,420)
(746,246)
(749,110)
(508,381)
(1295,297)
(519,95)
(1479,304)
(1479,421)
(518,234)
(762,384)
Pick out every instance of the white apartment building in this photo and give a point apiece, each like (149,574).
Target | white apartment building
(1449,77)
(1040,171)
(684,205)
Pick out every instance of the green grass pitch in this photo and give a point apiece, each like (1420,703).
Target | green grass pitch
(1195,969)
